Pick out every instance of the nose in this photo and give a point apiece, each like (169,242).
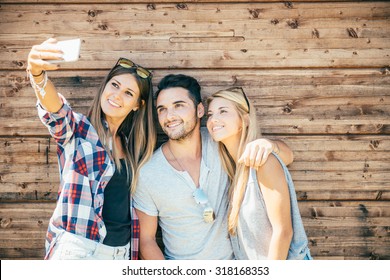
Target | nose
(213,119)
(170,114)
(116,94)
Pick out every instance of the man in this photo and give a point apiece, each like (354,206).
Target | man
(183,186)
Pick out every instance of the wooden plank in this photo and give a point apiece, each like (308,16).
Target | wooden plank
(325,167)
(348,247)
(288,4)
(207,35)
(307,101)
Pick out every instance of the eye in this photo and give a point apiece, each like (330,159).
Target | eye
(160,110)
(209,114)
(223,111)
(129,93)
(115,85)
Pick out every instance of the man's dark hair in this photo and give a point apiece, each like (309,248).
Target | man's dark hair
(183,81)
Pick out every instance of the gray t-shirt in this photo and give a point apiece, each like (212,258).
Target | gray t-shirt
(167,193)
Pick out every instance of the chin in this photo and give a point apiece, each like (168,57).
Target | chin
(216,138)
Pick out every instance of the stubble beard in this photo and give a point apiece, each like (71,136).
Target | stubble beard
(186,131)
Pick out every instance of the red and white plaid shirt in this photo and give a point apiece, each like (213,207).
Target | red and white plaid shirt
(85,170)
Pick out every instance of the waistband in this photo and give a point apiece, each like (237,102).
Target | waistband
(95,247)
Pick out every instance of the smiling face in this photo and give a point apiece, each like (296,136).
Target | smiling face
(120,96)
(177,113)
(223,122)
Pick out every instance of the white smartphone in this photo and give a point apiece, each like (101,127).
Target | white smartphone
(71,50)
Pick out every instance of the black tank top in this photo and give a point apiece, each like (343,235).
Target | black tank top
(116,209)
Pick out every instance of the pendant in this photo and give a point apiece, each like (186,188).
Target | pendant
(42,92)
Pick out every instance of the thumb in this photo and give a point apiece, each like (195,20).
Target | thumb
(50,41)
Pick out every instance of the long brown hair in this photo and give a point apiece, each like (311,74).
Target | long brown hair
(238,173)
(137,132)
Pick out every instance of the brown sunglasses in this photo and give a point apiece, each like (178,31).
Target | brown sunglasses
(127,63)
(240,90)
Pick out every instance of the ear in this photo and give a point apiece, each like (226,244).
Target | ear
(142,104)
(200,110)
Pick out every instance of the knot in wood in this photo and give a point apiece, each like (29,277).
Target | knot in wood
(6,223)
(385,70)
(289,5)
(182,6)
(18,63)
(315,33)
(352,33)
(287,109)
(254,13)
(294,24)
(151,7)
(103,26)
(92,13)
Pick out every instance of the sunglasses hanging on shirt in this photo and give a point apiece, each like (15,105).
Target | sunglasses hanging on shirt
(201,198)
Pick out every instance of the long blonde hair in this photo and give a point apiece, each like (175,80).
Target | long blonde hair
(237,172)
(137,132)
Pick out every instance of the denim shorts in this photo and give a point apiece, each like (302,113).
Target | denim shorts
(308,256)
(70,246)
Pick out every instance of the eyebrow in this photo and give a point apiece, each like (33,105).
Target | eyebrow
(121,84)
(219,108)
(174,103)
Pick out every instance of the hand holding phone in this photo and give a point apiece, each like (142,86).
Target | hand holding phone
(70,49)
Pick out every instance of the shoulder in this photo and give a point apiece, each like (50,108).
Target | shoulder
(155,163)
(270,172)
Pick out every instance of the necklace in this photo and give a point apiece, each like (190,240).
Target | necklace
(182,169)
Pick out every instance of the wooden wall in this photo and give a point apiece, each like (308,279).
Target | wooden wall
(317,71)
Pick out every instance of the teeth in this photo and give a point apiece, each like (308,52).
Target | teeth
(170,125)
(113,103)
(217,128)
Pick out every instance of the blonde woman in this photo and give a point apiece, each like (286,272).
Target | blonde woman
(263,219)
(99,158)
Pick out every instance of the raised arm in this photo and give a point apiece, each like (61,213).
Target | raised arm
(277,200)
(37,65)
(256,152)
(149,249)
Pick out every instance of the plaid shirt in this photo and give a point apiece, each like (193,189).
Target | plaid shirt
(85,169)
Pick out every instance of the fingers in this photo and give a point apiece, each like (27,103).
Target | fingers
(261,158)
(244,157)
(250,155)
(256,153)
(51,41)
(47,47)
(40,57)
(46,55)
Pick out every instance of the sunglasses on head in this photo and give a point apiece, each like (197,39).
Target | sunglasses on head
(241,91)
(127,63)
(201,198)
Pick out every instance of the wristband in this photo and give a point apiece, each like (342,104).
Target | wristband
(37,75)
